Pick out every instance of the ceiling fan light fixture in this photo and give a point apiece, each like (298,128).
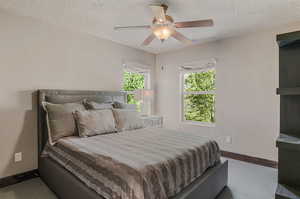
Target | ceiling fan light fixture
(162,32)
(163,26)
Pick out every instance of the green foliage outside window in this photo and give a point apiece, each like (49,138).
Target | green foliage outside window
(131,82)
(199,107)
(200,81)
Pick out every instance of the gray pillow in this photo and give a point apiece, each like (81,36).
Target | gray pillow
(60,120)
(127,119)
(121,105)
(97,106)
(95,122)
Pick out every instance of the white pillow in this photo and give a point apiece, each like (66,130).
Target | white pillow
(95,122)
(60,121)
(127,119)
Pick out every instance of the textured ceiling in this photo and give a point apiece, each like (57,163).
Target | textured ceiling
(98,17)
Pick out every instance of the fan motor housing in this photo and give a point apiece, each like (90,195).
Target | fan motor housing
(168,18)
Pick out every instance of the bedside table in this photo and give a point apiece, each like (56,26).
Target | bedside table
(152,120)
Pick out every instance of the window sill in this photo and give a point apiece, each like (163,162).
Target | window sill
(204,124)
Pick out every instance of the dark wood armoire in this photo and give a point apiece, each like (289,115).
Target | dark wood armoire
(288,142)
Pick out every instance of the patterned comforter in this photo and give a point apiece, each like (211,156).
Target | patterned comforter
(149,163)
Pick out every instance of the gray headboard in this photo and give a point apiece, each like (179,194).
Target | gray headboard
(66,96)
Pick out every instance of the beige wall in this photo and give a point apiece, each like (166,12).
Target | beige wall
(247,108)
(34,55)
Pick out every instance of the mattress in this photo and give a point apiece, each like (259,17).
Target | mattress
(149,163)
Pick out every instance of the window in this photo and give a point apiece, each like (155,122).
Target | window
(132,81)
(198,96)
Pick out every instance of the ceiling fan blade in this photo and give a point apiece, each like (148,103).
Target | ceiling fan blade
(180,37)
(148,40)
(159,13)
(192,24)
(131,27)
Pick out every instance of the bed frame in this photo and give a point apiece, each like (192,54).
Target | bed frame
(66,186)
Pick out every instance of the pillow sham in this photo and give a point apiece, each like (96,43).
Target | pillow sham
(97,106)
(121,105)
(127,119)
(60,120)
(94,122)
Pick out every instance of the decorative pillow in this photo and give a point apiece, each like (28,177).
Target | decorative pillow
(127,119)
(60,120)
(95,122)
(121,105)
(97,106)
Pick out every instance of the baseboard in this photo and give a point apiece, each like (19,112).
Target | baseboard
(250,159)
(10,180)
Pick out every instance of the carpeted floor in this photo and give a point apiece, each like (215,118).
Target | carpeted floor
(246,181)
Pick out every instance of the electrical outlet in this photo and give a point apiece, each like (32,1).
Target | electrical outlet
(228,139)
(18,157)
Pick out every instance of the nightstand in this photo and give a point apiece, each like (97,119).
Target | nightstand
(152,120)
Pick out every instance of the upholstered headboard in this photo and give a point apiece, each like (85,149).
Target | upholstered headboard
(66,96)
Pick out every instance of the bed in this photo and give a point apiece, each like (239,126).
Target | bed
(205,181)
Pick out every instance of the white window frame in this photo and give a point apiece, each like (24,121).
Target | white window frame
(183,93)
(146,74)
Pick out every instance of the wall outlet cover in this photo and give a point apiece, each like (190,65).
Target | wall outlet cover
(18,157)
(228,139)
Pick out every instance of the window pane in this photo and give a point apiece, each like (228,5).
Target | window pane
(131,100)
(200,108)
(200,81)
(133,81)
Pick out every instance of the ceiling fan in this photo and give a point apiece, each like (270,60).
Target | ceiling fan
(163,26)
